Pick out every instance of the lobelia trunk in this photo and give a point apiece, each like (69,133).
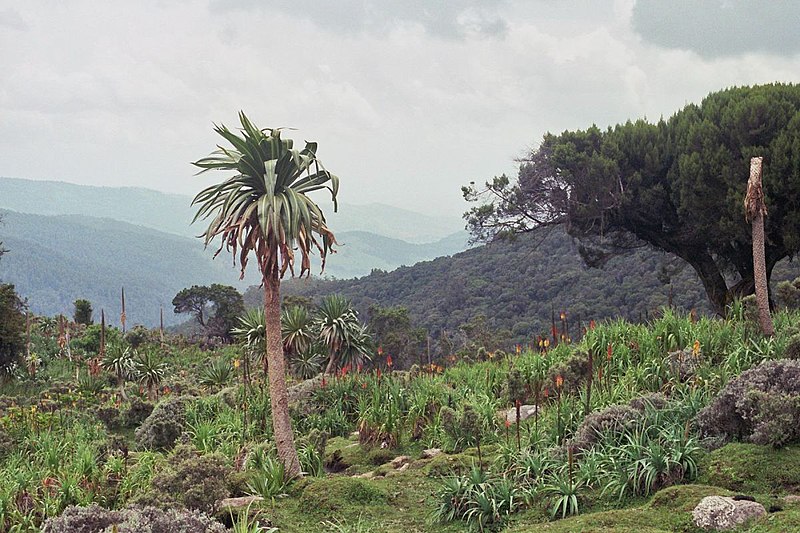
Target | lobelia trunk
(755,210)
(278,393)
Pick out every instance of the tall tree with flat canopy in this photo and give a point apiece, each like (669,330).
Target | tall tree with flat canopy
(264,208)
(676,185)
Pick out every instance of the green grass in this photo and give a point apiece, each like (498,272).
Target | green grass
(753,469)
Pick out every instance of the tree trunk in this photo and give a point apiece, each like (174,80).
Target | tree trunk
(755,210)
(713,282)
(331,363)
(278,393)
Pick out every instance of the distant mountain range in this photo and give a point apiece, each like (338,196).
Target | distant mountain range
(173,213)
(73,241)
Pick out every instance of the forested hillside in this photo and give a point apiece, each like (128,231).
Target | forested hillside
(516,285)
(55,260)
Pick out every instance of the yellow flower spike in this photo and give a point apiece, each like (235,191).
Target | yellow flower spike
(236,363)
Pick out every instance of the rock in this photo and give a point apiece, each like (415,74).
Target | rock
(791,499)
(366,475)
(403,468)
(721,513)
(525,412)
(237,504)
(300,395)
(400,461)
(430,453)
(683,363)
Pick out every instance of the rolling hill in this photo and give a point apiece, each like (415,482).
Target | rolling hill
(73,241)
(516,285)
(172,213)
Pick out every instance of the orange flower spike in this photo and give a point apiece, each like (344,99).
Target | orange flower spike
(696,348)
(559,381)
(389,361)
(508,423)
(609,351)
(380,351)
(592,324)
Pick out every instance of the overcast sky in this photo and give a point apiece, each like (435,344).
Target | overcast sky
(409,99)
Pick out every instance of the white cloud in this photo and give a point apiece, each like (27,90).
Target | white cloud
(408,101)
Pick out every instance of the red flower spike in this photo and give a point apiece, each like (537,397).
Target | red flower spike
(389,361)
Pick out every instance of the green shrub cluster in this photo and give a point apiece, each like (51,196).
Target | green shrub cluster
(762,406)
(164,425)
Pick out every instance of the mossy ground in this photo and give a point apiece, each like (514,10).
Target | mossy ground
(403,502)
(753,469)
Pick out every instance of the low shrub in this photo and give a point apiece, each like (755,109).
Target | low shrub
(614,419)
(762,406)
(136,412)
(792,350)
(194,481)
(95,519)
(164,425)
(574,371)
(108,415)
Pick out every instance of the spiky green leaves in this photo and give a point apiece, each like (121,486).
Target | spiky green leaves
(264,207)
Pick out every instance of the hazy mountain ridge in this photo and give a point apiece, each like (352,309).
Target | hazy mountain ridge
(141,239)
(55,260)
(173,213)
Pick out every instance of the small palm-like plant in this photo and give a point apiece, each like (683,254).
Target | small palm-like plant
(269,480)
(119,360)
(217,374)
(296,329)
(251,332)
(308,363)
(340,332)
(149,370)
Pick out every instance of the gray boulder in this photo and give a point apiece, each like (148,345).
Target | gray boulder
(525,412)
(721,513)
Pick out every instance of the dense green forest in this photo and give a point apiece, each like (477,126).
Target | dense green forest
(516,285)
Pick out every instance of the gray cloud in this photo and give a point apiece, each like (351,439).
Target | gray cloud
(720,28)
(452,19)
(12,19)
(407,104)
